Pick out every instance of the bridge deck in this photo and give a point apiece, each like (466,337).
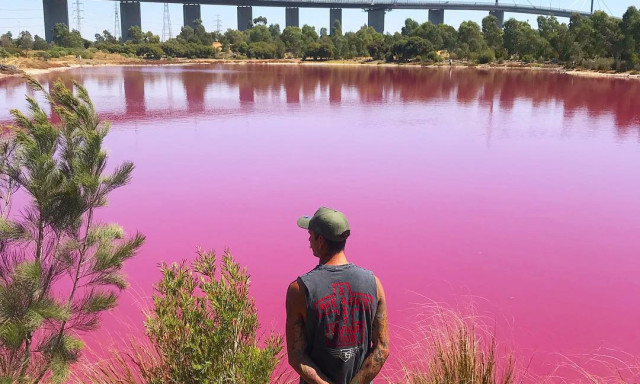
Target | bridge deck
(387,4)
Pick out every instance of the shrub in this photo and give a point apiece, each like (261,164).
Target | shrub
(486,56)
(599,64)
(433,57)
(262,50)
(3,53)
(149,51)
(60,243)
(528,58)
(202,330)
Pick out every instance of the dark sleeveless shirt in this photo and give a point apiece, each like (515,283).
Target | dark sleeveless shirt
(341,304)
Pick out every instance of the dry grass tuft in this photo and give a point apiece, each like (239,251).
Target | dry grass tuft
(449,348)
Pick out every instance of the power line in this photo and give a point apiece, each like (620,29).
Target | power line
(166,24)
(218,23)
(77,14)
(116,23)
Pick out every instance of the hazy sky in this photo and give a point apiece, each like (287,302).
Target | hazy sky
(98,15)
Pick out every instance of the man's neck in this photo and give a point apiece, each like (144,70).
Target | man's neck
(338,259)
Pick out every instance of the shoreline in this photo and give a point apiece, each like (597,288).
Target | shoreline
(69,64)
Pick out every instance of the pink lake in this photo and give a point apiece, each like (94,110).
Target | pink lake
(515,192)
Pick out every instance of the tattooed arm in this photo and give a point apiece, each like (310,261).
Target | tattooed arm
(377,356)
(296,342)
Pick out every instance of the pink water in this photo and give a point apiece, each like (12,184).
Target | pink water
(513,191)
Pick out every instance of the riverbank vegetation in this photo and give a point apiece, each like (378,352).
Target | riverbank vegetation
(596,42)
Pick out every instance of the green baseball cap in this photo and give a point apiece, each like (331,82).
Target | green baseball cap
(328,223)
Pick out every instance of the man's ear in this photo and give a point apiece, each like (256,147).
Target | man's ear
(322,242)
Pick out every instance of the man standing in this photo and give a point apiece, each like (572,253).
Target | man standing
(337,329)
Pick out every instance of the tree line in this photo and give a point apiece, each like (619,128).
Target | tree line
(598,41)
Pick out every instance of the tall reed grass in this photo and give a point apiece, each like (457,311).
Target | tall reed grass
(447,347)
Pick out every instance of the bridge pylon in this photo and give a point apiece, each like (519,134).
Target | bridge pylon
(335,14)
(55,12)
(191,13)
(436,16)
(245,17)
(130,16)
(499,15)
(376,18)
(292,17)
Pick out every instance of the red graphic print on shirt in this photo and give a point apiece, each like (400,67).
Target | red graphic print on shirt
(343,314)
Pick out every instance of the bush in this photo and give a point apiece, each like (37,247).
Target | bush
(3,53)
(599,64)
(44,55)
(486,56)
(57,52)
(433,57)
(61,170)
(262,50)
(528,58)
(203,330)
(149,51)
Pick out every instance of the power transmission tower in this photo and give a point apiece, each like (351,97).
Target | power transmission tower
(116,23)
(218,23)
(166,24)
(77,14)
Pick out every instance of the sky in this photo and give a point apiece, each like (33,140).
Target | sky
(98,15)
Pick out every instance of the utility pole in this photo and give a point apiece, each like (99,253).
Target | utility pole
(592,7)
(116,23)
(77,14)
(166,24)
(218,23)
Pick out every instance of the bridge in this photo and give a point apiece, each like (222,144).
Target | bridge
(56,11)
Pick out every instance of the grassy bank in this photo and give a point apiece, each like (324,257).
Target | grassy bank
(34,65)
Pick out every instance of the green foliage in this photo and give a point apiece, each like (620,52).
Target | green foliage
(262,50)
(293,42)
(4,53)
(470,38)
(61,168)
(492,33)
(62,37)
(583,38)
(205,323)
(486,56)
(40,44)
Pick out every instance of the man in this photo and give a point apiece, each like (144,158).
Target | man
(337,329)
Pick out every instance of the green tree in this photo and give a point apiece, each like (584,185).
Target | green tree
(293,40)
(556,34)
(274,30)
(25,41)
(135,35)
(520,39)
(61,169)
(260,20)
(233,39)
(6,40)
(449,36)
(410,25)
(259,33)
(40,44)
(62,37)
(492,33)
(204,326)
(631,30)
(470,36)
(309,35)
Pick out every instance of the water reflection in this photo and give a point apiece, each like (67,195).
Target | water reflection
(210,88)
